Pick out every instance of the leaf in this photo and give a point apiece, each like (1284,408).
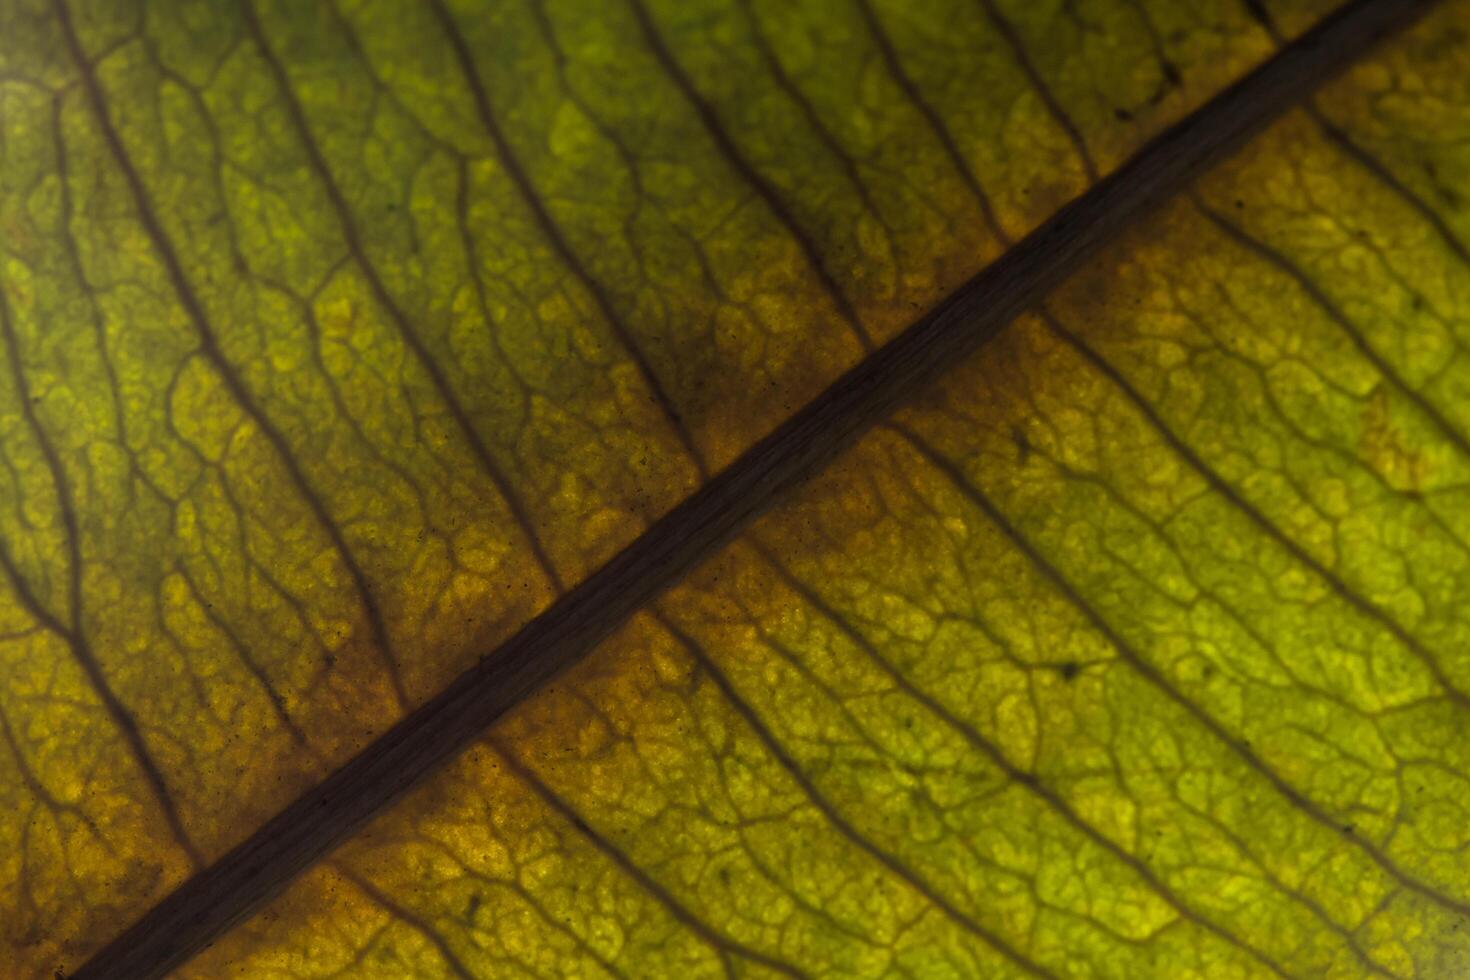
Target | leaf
(364,357)
(1132,649)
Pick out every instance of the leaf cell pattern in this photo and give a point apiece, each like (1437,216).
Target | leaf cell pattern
(339,339)
(1131,649)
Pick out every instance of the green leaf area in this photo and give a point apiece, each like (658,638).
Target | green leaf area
(338,340)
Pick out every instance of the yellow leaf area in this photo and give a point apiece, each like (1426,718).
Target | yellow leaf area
(336,339)
(1135,649)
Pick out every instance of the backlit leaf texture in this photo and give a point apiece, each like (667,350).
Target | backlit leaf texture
(340,339)
(1128,651)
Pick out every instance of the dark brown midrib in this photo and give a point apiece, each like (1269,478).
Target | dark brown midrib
(241,881)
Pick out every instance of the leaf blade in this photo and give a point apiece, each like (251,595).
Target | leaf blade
(616,592)
(1150,634)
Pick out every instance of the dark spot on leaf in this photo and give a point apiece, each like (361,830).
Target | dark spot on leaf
(1023,444)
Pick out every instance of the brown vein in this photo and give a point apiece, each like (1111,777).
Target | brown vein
(1237,500)
(840,823)
(808,111)
(1157,680)
(245,656)
(1371,164)
(553,234)
(1029,781)
(723,945)
(405,915)
(1375,167)
(1038,84)
(353,239)
(910,90)
(209,347)
(763,188)
(1317,295)
(72,630)
(37,788)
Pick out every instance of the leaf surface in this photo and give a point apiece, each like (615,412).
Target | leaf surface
(1129,650)
(340,340)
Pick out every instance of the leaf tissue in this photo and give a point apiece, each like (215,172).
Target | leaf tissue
(729,488)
